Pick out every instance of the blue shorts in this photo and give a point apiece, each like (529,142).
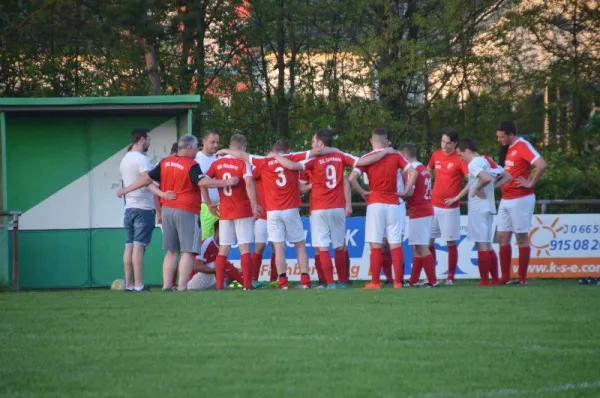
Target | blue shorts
(139,225)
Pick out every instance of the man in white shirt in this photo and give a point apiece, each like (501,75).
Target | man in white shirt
(481,203)
(209,212)
(139,220)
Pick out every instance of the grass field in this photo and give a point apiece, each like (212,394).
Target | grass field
(537,341)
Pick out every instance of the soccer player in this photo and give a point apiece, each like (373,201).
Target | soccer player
(518,198)
(260,230)
(209,210)
(282,197)
(481,206)
(139,220)
(383,216)
(417,192)
(181,174)
(203,275)
(238,209)
(329,204)
(449,175)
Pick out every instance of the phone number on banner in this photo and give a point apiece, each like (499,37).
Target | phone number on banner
(581,229)
(574,244)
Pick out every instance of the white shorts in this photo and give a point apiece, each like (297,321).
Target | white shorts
(514,215)
(239,231)
(260,231)
(202,281)
(383,220)
(328,227)
(402,215)
(285,225)
(419,230)
(446,224)
(479,227)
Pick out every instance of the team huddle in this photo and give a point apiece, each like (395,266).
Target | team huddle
(257,201)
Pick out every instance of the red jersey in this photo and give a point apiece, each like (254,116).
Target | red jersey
(175,176)
(208,253)
(419,203)
(496,170)
(280,184)
(450,172)
(519,158)
(235,203)
(328,180)
(383,178)
(260,192)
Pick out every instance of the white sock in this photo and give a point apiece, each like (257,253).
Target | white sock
(139,288)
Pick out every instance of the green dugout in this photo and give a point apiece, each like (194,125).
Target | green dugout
(60,166)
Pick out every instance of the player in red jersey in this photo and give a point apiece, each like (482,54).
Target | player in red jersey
(417,192)
(282,198)
(329,205)
(383,215)
(518,199)
(260,230)
(203,275)
(238,209)
(450,173)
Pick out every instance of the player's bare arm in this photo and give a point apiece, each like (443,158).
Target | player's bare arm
(483,179)
(157,191)
(540,166)
(201,266)
(348,197)
(411,178)
(287,163)
(210,183)
(375,157)
(461,194)
(502,179)
(245,156)
(322,151)
(305,187)
(356,186)
(251,191)
(145,181)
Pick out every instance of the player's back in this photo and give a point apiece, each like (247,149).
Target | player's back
(175,177)
(235,203)
(260,192)
(419,203)
(327,180)
(383,178)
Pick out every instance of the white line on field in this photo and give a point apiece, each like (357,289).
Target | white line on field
(508,392)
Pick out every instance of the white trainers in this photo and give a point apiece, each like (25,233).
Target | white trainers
(449,282)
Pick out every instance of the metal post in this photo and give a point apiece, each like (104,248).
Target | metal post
(15,251)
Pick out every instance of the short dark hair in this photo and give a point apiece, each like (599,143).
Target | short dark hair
(382,132)
(174,148)
(209,132)
(508,126)
(467,143)
(238,139)
(326,136)
(138,134)
(410,148)
(282,146)
(451,133)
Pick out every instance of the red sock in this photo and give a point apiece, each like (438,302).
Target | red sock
(452,261)
(220,264)
(327,266)
(429,268)
(505,257)
(494,266)
(283,281)
(319,268)
(417,266)
(246,261)
(233,273)
(433,254)
(175,279)
(386,263)
(305,278)
(273,275)
(376,265)
(398,261)
(341,265)
(483,263)
(524,255)
(256,264)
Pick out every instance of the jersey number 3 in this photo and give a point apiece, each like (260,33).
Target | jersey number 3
(281,180)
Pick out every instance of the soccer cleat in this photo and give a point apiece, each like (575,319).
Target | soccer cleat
(406,284)
(257,284)
(273,284)
(283,282)
(144,289)
(301,286)
(248,288)
(341,285)
(372,285)
(449,282)
(427,284)
(169,289)
(521,283)
(322,287)
(235,285)
(512,282)
(331,286)
(397,285)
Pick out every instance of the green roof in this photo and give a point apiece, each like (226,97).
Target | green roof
(139,103)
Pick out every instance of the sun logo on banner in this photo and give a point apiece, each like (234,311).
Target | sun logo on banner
(545,235)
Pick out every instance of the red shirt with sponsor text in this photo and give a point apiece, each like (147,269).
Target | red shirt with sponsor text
(519,158)
(280,184)
(260,192)
(175,176)
(235,203)
(419,203)
(383,178)
(328,180)
(450,172)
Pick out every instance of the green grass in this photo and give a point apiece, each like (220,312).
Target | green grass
(540,341)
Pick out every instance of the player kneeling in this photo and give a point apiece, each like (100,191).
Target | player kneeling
(481,206)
